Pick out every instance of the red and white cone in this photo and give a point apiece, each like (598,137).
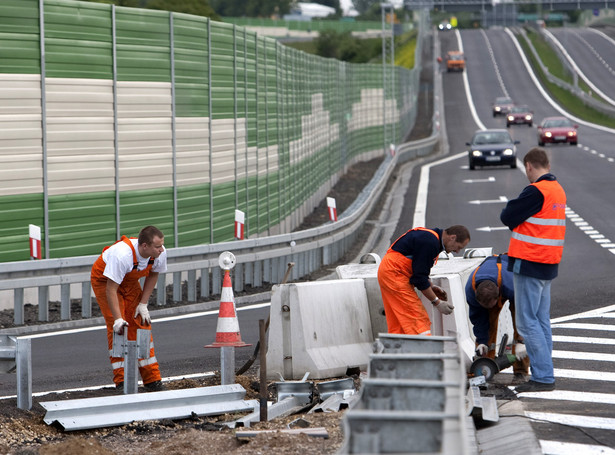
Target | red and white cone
(227,331)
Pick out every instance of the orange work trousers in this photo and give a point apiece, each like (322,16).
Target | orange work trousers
(129,295)
(403,308)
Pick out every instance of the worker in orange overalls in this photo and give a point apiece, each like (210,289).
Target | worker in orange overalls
(115,281)
(407,265)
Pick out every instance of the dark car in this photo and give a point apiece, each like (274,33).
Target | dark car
(519,115)
(492,148)
(557,129)
(502,105)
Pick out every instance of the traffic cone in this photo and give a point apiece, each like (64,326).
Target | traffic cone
(227,331)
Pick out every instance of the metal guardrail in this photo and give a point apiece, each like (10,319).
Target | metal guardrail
(259,260)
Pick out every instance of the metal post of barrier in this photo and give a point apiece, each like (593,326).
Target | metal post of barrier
(23,358)
(131,351)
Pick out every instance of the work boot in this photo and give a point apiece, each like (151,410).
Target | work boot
(519,378)
(120,387)
(533,386)
(155,386)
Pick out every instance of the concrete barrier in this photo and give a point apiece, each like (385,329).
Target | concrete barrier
(318,327)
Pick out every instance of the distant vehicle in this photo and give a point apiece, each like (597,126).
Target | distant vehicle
(519,115)
(502,105)
(455,61)
(557,129)
(492,147)
(444,26)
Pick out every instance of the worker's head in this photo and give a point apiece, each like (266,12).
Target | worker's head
(455,238)
(536,163)
(151,241)
(487,294)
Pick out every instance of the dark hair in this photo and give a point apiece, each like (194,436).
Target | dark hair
(486,291)
(537,157)
(148,233)
(461,232)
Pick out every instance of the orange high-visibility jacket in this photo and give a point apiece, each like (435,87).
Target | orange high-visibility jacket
(540,238)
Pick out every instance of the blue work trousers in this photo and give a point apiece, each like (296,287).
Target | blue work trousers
(533,320)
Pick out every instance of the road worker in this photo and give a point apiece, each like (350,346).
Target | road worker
(115,281)
(489,287)
(537,219)
(407,265)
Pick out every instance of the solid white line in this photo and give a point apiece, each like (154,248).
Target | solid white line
(154,321)
(573,420)
(98,387)
(577,374)
(568,395)
(571,448)
(578,355)
(569,339)
(578,325)
(586,314)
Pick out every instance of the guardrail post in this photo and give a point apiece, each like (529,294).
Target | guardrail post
(238,278)
(65,301)
(23,359)
(177,286)
(131,351)
(204,282)
(18,314)
(43,303)
(86,299)
(191,286)
(161,293)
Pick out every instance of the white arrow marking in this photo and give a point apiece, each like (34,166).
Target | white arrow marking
(490,201)
(490,179)
(489,228)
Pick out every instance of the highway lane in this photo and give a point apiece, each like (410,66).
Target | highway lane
(78,358)
(593,52)
(578,418)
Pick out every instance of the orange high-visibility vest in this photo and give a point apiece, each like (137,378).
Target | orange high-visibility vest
(540,238)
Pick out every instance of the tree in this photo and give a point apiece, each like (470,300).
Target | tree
(196,7)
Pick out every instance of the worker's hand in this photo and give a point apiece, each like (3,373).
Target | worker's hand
(445,307)
(144,313)
(482,350)
(440,293)
(118,326)
(520,351)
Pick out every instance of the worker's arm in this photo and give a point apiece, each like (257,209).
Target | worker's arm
(148,286)
(112,300)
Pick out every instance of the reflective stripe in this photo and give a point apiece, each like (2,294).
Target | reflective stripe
(546,221)
(426,332)
(116,365)
(145,362)
(537,240)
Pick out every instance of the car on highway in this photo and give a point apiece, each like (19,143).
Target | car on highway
(520,115)
(502,105)
(557,129)
(444,26)
(492,147)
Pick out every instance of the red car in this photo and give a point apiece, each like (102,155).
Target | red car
(519,115)
(557,129)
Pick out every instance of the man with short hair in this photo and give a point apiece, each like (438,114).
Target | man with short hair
(115,280)
(407,265)
(487,290)
(537,218)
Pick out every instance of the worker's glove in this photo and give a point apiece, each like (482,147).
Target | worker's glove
(520,351)
(440,293)
(445,307)
(144,313)
(482,350)
(118,326)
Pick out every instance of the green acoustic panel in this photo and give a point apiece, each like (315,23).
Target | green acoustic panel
(143,45)
(16,214)
(148,207)
(223,212)
(194,215)
(81,223)
(19,37)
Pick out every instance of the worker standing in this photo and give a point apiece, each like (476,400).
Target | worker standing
(489,287)
(537,218)
(407,265)
(123,303)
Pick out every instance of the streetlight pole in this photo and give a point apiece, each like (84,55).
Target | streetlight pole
(388,73)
